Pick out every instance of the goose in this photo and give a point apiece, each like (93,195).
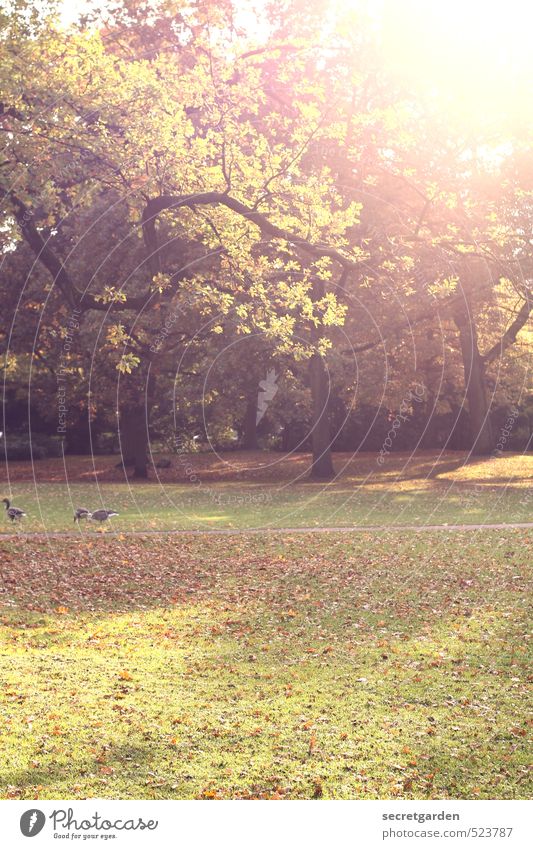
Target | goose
(13,513)
(102,515)
(81,513)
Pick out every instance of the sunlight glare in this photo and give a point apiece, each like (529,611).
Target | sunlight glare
(474,53)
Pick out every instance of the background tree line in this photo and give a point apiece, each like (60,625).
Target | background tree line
(215,197)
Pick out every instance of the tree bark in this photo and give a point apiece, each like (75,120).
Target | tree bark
(249,437)
(134,439)
(481,434)
(322,466)
(286,438)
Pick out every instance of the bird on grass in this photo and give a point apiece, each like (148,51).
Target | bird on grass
(102,515)
(13,513)
(81,513)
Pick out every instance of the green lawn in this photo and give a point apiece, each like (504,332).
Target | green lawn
(250,505)
(335,666)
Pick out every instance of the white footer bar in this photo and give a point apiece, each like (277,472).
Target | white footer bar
(257,824)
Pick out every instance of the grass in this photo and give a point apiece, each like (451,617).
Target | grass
(257,489)
(334,666)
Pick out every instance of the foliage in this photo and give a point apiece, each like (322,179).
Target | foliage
(187,181)
(38,447)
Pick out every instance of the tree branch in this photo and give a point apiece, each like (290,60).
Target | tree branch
(158,205)
(509,337)
(45,253)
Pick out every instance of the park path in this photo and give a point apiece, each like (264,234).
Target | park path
(504,526)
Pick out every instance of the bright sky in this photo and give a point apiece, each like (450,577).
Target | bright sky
(473,55)
(476,53)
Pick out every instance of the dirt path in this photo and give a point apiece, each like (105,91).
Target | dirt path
(256,531)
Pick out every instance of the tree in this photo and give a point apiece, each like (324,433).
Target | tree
(137,126)
(182,179)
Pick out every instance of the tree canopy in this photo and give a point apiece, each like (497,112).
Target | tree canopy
(194,193)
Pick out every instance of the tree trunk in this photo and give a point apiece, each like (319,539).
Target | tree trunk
(249,438)
(322,467)
(134,439)
(286,438)
(481,435)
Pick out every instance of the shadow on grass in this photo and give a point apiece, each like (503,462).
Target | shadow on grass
(76,774)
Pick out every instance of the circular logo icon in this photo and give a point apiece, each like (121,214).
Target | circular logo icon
(32,822)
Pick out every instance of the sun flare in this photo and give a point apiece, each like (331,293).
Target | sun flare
(476,55)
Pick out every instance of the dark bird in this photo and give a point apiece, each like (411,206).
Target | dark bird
(13,513)
(81,513)
(102,515)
